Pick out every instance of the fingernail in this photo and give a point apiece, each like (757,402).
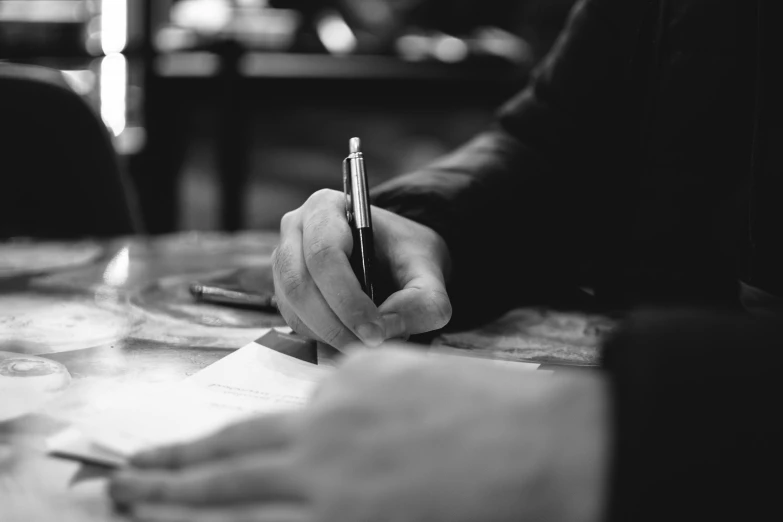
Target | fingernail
(370,333)
(394,326)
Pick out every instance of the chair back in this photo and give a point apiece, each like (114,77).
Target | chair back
(60,176)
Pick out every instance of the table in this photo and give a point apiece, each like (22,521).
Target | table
(126,345)
(117,319)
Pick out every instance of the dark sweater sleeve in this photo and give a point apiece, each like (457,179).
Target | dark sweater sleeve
(521,198)
(697,400)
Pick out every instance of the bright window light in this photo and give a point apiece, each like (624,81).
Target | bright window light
(114,26)
(335,34)
(450,49)
(114,85)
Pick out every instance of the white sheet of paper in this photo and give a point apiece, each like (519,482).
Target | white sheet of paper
(251,380)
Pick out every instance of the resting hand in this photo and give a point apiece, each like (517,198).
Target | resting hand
(319,294)
(395,435)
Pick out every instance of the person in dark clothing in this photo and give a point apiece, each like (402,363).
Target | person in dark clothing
(641,161)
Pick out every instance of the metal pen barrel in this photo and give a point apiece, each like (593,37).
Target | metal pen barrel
(359,187)
(363,248)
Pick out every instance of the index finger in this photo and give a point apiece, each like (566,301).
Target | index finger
(328,242)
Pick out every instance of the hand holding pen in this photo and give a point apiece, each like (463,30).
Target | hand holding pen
(322,268)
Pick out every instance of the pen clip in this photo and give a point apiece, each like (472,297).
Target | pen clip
(347,190)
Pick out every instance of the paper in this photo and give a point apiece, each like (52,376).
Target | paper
(254,379)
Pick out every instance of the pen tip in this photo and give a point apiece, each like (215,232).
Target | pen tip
(355,145)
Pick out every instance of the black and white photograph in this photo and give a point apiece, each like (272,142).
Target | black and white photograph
(391,260)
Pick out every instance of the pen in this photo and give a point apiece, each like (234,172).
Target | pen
(223,296)
(357,211)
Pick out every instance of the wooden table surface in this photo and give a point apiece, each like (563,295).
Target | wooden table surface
(121,320)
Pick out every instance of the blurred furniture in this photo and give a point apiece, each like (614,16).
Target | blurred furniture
(239,81)
(153,83)
(60,174)
(31,28)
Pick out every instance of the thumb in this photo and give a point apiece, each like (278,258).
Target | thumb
(422,305)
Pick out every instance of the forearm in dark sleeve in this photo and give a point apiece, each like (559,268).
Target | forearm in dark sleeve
(520,202)
(697,397)
(459,198)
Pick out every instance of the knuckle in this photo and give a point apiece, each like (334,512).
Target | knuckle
(320,246)
(319,252)
(324,196)
(288,219)
(289,281)
(317,224)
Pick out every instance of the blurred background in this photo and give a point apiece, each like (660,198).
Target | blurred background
(228,113)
